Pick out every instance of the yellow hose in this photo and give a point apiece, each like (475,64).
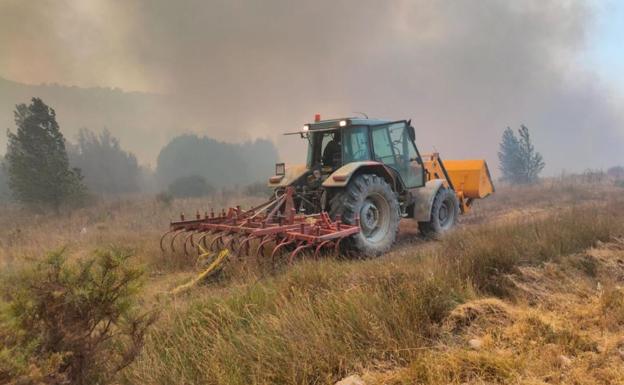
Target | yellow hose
(203,256)
(201,276)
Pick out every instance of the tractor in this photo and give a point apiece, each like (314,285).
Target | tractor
(372,170)
(362,176)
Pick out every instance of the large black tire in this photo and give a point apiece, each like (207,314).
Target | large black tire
(444,213)
(370,198)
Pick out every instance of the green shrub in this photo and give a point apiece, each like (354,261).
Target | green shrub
(72,323)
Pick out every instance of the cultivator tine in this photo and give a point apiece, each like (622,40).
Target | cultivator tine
(232,242)
(245,245)
(218,240)
(281,245)
(201,241)
(319,247)
(299,249)
(162,239)
(204,241)
(337,246)
(263,243)
(172,242)
(187,240)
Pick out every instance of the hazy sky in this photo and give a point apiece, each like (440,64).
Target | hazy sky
(605,48)
(235,70)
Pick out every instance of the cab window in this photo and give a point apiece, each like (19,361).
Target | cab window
(324,149)
(393,147)
(382,145)
(355,144)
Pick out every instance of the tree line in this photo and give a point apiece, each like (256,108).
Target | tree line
(42,169)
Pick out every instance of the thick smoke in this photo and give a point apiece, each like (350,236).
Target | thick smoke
(237,70)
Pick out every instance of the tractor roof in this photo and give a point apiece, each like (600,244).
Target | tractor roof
(335,123)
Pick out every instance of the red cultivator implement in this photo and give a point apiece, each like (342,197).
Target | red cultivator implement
(274,223)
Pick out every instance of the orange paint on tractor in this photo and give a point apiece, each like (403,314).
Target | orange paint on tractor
(469,178)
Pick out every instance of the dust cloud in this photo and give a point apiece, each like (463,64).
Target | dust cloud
(239,70)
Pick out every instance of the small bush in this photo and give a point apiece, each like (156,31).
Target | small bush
(71,323)
(190,186)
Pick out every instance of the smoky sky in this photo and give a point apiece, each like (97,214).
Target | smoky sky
(237,70)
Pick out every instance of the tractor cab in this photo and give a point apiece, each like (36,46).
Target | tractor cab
(333,144)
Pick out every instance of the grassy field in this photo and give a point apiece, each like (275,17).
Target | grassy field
(525,291)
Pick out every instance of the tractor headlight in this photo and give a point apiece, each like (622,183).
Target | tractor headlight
(280,169)
(306,128)
(343,123)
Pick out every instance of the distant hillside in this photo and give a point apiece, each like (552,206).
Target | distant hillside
(143,122)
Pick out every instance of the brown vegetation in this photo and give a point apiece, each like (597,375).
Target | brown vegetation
(532,277)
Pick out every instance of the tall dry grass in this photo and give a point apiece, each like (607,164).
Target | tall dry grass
(135,222)
(323,320)
(483,255)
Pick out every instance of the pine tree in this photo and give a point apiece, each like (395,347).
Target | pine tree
(509,156)
(37,163)
(519,162)
(4,183)
(108,169)
(532,161)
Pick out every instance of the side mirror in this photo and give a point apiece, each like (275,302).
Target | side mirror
(412,133)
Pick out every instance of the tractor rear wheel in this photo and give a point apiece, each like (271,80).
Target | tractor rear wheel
(370,198)
(444,213)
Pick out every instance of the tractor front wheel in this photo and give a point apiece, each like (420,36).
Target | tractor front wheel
(444,213)
(369,198)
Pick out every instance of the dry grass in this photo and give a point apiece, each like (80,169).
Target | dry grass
(563,328)
(323,320)
(403,318)
(136,222)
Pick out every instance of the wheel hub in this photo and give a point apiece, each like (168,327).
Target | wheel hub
(369,217)
(444,213)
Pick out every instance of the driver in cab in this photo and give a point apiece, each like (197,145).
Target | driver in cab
(331,153)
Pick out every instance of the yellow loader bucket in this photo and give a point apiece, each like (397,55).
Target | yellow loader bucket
(470,177)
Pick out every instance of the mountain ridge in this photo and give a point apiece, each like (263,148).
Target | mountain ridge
(142,121)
